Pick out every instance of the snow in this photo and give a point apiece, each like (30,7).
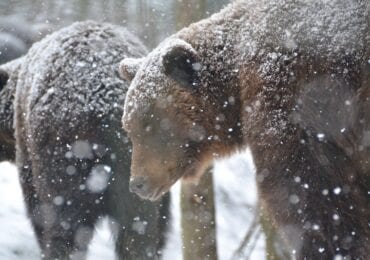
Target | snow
(16,238)
(235,200)
(82,149)
(99,178)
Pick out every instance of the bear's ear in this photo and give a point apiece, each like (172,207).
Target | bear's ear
(181,64)
(3,78)
(128,68)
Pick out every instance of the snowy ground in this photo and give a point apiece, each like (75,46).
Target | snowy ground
(235,193)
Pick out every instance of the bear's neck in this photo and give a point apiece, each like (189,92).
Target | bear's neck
(215,39)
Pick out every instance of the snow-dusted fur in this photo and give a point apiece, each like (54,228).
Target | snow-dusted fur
(290,80)
(72,155)
(7,90)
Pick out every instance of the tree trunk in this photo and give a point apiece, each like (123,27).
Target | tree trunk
(197,201)
(275,246)
(183,17)
(198,219)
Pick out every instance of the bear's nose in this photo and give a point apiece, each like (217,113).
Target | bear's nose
(139,185)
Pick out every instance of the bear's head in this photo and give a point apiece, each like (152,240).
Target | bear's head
(176,126)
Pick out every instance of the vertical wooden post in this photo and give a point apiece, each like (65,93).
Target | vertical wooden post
(275,246)
(198,219)
(197,202)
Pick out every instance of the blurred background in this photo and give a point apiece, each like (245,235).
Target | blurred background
(151,20)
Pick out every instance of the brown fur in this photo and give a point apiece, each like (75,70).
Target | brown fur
(301,107)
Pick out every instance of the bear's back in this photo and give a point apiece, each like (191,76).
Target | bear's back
(73,72)
(256,28)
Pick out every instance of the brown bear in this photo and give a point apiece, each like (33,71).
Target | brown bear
(7,90)
(72,155)
(288,79)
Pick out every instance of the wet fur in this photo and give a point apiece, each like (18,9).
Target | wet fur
(302,110)
(45,134)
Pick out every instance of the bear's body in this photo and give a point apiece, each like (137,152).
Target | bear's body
(72,156)
(8,82)
(288,79)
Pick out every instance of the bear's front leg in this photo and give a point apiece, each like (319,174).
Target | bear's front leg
(317,199)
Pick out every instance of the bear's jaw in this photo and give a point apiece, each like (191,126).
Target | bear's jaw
(156,193)
(191,174)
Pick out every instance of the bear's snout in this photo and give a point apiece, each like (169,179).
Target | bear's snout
(140,186)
